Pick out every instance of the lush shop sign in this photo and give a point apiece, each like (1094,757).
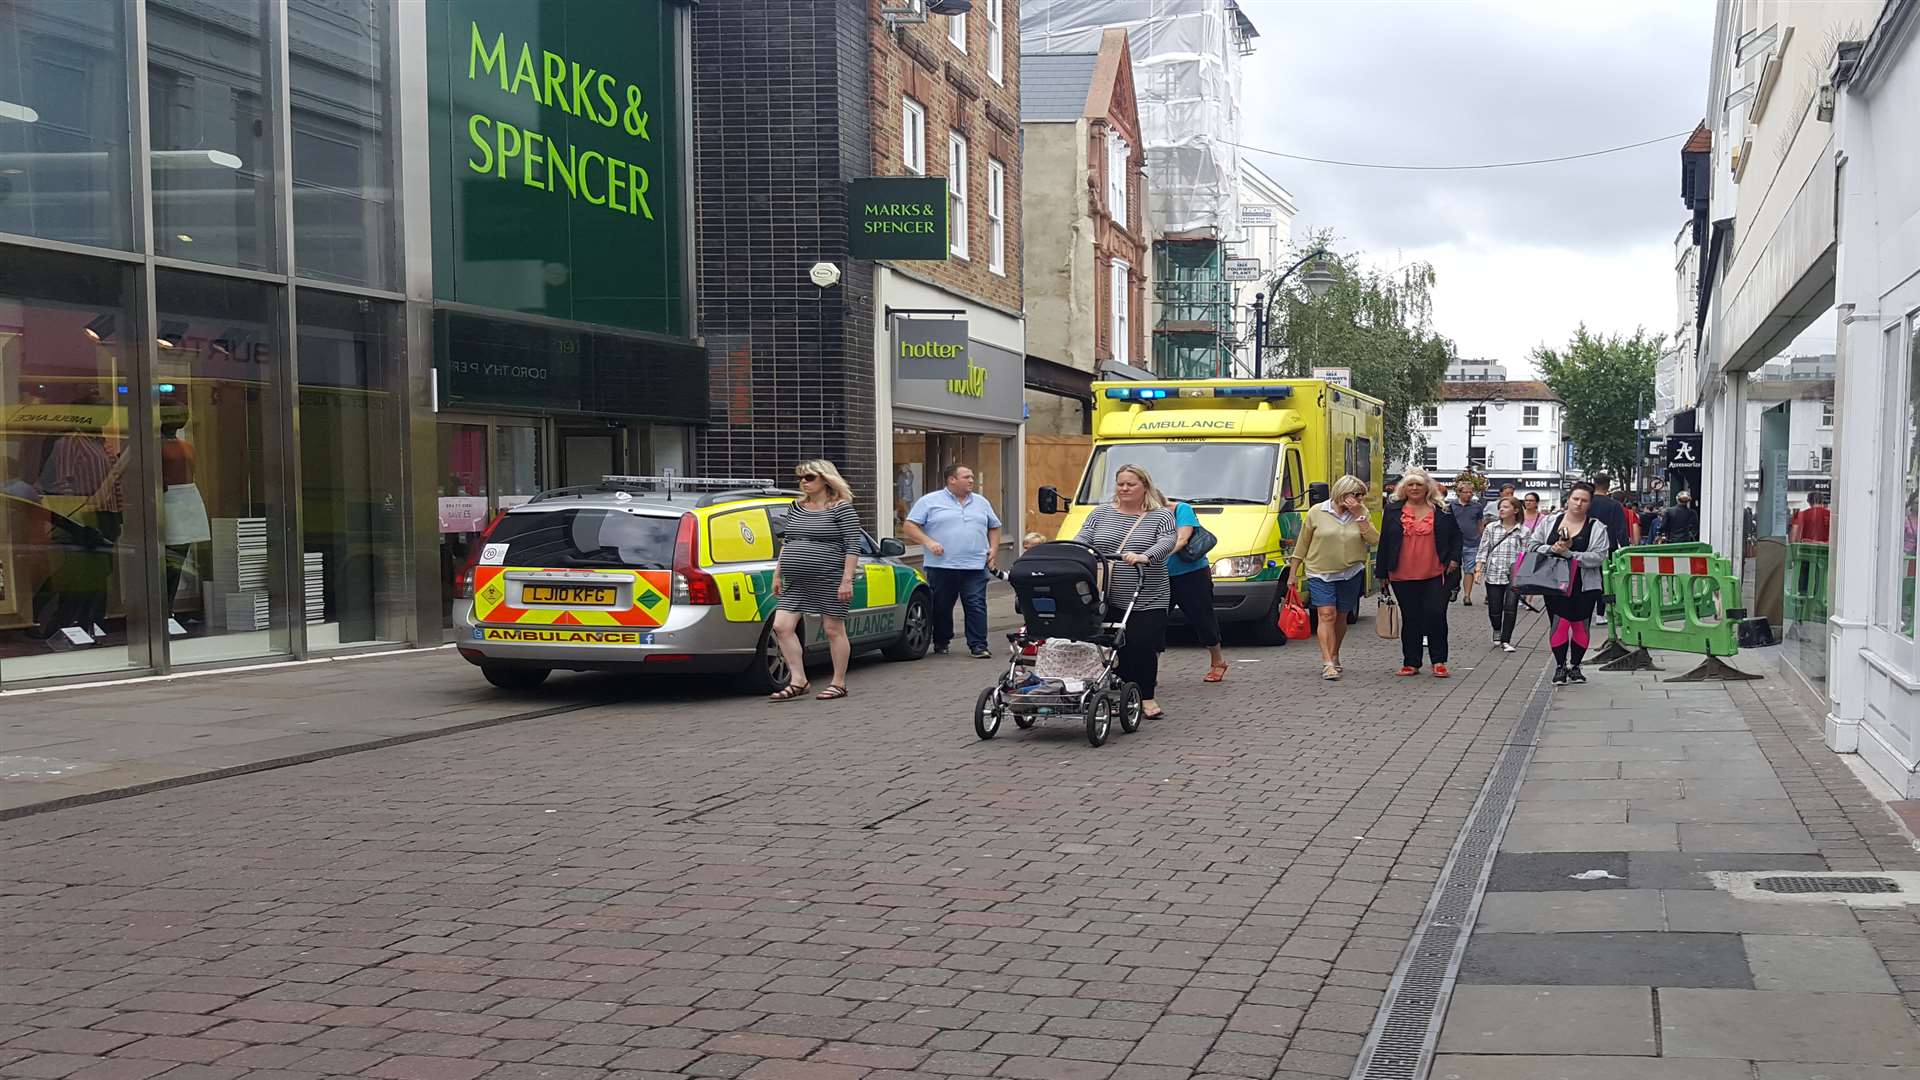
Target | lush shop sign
(557,169)
(897,217)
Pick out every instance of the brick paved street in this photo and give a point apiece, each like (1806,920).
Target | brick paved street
(685,883)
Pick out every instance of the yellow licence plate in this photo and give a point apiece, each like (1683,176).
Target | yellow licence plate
(584,595)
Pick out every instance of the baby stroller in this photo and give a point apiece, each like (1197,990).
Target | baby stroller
(1061,588)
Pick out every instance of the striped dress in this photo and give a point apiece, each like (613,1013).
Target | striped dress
(1154,537)
(813,558)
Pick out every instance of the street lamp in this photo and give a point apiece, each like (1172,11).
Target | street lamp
(1319,282)
(1499,404)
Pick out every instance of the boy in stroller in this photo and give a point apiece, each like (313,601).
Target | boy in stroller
(1060,587)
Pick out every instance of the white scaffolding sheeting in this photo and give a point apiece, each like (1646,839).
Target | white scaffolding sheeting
(1186,75)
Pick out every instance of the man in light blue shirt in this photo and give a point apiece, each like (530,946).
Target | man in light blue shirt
(960,533)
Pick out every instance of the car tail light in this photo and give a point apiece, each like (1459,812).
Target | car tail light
(463,585)
(692,585)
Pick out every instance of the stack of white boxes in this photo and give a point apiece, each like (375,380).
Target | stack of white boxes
(237,598)
(315,580)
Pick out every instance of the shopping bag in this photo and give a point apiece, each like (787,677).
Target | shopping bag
(1386,619)
(1543,573)
(1295,623)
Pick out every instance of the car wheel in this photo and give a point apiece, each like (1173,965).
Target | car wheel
(916,636)
(515,678)
(768,670)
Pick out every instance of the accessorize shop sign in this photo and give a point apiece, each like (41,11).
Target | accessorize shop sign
(557,166)
(897,217)
(930,349)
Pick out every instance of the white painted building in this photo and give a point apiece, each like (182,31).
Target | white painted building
(1267,211)
(1815,206)
(1511,432)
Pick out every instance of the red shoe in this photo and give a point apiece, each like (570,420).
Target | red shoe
(1406,671)
(1439,671)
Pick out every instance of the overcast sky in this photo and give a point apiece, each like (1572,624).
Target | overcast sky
(1522,255)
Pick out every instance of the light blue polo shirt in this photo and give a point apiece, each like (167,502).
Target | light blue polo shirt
(960,528)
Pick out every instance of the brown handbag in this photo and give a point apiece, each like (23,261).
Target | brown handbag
(1386,619)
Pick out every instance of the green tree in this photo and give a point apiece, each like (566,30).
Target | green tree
(1378,323)
(1606,384)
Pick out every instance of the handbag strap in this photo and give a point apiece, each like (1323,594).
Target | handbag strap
(1122,549)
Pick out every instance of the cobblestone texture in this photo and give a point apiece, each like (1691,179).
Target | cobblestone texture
(692,884)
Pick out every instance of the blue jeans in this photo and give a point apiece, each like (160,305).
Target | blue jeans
(970,588)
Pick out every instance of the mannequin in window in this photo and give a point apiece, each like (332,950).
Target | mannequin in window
(183,513)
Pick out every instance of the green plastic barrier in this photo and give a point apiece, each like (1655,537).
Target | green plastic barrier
(1673,597)
(1806,589)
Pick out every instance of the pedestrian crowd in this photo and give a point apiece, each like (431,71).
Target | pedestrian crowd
(1430,549)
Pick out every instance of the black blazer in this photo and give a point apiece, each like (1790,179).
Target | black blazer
(1446,540)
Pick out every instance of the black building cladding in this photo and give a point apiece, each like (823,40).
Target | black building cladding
(489,363)
(780,125)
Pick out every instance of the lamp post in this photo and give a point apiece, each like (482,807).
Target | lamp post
(1499,404)
(1319,281)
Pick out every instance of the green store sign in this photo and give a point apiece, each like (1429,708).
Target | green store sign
(897,217)
(557,162)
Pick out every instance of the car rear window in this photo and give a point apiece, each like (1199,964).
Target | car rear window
(587,539)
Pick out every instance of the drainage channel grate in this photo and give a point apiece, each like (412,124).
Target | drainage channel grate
(1826,885)
(1400,1047)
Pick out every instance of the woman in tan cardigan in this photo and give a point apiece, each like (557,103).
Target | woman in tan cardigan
(1332,551)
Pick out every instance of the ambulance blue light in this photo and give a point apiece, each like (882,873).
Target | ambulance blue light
(1138,393)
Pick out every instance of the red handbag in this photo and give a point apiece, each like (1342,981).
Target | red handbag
(1294,621)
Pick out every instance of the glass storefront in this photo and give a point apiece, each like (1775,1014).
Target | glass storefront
(66,169)
(72,579)
(920,460)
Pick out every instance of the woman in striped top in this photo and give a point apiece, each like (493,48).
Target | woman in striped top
(820,546)
(1138,527)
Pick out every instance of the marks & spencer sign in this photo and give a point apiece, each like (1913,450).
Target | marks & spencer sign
(557,164)
(897,217)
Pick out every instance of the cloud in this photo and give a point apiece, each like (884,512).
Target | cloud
(1451,83)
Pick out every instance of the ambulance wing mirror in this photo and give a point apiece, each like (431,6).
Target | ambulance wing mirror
(892,549)
(1051,502)
(1318,493)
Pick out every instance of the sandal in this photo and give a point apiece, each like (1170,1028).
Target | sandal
(831,693)
(1161,715)
(1216,673)
(793,691)
(1330,672)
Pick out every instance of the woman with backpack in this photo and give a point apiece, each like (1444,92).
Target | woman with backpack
(1332,552)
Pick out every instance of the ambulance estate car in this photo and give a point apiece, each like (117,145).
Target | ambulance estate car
(661,574)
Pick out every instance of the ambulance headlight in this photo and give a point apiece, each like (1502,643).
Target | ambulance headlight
(1240,566)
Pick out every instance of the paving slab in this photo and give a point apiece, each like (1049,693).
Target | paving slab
(1626,959)
(1570,912)
(1533,790)
(1794,1070)
(1714,812)
(1816,964)
(1609,1020)
(1574,837)
(1593,811)
(1526,1067)
(1775,1025)
(1699,909)
(1688,869)
(1753,768)
(1732,790)
(1554,871)
(1574,770)
(1781,839)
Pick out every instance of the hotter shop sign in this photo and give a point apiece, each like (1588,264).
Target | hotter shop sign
(897,217)
(930,349)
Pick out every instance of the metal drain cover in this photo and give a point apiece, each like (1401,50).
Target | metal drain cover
(1798,884)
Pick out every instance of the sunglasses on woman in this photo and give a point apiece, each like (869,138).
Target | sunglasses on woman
(808,478)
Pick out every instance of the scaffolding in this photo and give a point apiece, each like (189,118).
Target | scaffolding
(1186,64)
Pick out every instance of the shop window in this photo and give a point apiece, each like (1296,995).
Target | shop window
(353,559)
(913,136)
(957,192)
(343,207)
(71,580)
(65,145)
(210,116)
(222,454)
(1903,428)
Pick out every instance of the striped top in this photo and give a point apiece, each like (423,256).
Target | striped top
(1153,537)
(813,558)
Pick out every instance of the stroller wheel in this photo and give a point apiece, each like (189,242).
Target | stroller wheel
(986,713)
(1131,709)
(1100,714)
(1025,720)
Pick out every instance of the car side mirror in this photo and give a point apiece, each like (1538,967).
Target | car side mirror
(1318,493)
(1050,500)
(892,549)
